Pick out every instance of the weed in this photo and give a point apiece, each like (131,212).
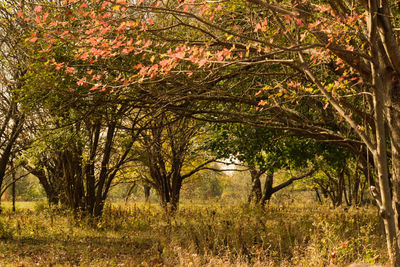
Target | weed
(197,235)
(7,229)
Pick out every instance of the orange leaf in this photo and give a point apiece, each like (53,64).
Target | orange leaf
(81,82)
(45,16)
(95,87)
(33,39)
(38,9)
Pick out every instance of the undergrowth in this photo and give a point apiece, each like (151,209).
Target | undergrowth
(213,235)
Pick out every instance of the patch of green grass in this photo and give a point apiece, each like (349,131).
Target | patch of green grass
(19,205)
(198,235)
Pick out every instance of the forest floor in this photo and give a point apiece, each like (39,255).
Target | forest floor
(198,235)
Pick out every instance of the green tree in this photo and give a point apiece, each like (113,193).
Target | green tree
(262,152)
(81,144)
(171,153)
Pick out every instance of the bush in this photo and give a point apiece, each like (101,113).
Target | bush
(6,229)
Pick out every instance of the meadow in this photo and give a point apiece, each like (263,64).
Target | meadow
(211,234)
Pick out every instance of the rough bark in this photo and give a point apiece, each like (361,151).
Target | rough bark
(380,158)
(392,101)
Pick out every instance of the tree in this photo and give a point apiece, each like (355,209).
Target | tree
(171,155)
(262,152)
(339,177)
(339,51)
(81,144)
(12,71)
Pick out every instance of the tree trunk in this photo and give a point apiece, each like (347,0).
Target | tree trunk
(340,188)
(13,185)
(13,196)
(98,209)
(175,201)
(268,189)
(90,187)
(348,189)
(175,193)
(380,158)
(393,117)
(256,191)
(72,173)
(169,195)
(130,190)
(146,189)
(317,195)
(356,194)
(394,120)
(165,194)
(52,194)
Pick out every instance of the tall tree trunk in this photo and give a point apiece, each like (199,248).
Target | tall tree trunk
(393,118)
(340,188)
(385,55)
(13,172)
(380,158)
(396,182)
(13,196)
(356,194)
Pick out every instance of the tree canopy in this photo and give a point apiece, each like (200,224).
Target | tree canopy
(327,71)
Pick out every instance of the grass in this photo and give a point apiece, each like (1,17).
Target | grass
(198,235)
(19,205)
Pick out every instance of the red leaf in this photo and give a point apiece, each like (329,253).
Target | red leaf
(150,21)
(59,65)
(299,22)
(85,56)
(45,16)
(95,87)
(38,9)
(69,70)
(81,82)
(33,39)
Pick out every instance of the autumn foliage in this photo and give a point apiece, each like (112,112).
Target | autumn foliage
(326,71)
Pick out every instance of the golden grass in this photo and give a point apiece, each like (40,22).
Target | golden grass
(198,235)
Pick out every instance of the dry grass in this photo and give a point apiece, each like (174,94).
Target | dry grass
(212,235)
